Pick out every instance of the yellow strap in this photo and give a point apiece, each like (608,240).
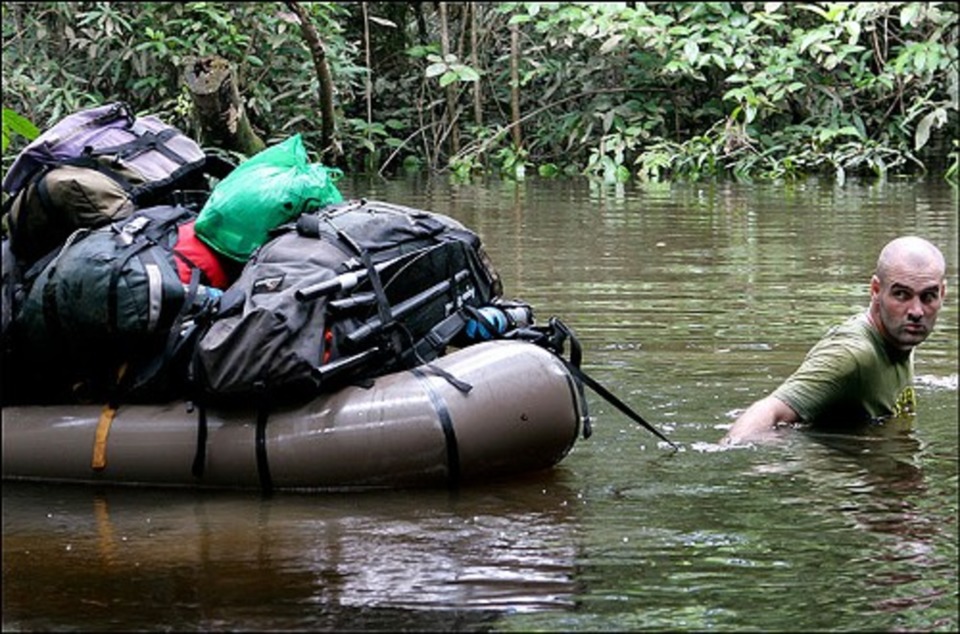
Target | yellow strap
(100,443)
(103,430)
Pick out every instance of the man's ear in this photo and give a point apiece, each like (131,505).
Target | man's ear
(874,287)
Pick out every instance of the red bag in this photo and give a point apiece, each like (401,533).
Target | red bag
(219,272)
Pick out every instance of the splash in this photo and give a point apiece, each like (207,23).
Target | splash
(937,382)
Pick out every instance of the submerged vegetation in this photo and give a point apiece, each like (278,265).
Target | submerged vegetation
(614,90)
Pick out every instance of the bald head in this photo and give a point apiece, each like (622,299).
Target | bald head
(907,291)
(913,254)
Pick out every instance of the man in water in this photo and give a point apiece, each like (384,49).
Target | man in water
(862,370)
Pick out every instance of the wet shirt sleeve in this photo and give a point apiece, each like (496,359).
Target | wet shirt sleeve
(827,380)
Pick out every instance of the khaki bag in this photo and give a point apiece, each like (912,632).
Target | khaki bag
(63,199)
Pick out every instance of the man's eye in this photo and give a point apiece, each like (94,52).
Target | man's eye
(929,298)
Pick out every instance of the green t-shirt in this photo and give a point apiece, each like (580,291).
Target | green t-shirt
(851,376)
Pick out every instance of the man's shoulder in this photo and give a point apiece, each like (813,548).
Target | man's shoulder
(855,335)
(833,371)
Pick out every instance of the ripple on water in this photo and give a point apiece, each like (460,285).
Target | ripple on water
(948,382)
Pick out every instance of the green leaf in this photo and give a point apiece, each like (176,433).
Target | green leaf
(853,28)
(466,73)
(13,122)
(910,14)
(382,21)
(610,44)
(809,39)
(448,78)
(934,118)
(421,51)
(920,61)
(548,170)
(433,70)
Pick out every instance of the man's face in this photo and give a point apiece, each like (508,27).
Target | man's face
(906,304)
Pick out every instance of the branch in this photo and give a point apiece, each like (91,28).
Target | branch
(482,146)
(325,87)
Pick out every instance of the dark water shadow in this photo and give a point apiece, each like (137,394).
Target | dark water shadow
(127,558)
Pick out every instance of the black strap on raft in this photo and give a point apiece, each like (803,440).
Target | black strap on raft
(554,340)
(446,422)
(462,386)
(263,466)
(200,457)
(616,402)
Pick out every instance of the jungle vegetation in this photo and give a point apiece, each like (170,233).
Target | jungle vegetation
(613,90)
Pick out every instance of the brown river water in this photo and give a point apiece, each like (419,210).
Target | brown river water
(690,301)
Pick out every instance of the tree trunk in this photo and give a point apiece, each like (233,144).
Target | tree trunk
(451,91)
(368,83)
(515,85)
(475,62)
(223,122)
(422,36)
(330,149)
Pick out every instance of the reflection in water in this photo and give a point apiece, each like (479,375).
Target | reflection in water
(871,480)
(330,561)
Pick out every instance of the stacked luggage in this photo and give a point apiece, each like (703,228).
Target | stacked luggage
(139,268)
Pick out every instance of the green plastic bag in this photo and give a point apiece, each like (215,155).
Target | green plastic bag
(265,191)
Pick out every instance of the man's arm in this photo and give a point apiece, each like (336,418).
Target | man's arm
(758,423)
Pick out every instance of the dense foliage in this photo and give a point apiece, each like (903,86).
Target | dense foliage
(660,90)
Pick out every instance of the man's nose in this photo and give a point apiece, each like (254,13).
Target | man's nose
(915,309)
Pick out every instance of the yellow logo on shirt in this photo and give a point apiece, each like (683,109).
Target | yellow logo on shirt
(906,404)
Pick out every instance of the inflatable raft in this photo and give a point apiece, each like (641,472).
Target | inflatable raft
(413,428)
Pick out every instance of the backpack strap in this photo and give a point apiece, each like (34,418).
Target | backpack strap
(88,162)
(107,414)
(51,314)
(178,336)
(176,339)
(217,166)
(146,141)
(154,281)
(384,311)
(432,343)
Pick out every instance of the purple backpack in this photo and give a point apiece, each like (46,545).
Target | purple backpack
(97,166)
(152,147)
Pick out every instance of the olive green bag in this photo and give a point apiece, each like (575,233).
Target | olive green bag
(265,191)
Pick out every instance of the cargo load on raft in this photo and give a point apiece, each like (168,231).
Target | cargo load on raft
(210,325)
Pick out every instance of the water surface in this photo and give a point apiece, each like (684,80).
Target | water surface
(690,301)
